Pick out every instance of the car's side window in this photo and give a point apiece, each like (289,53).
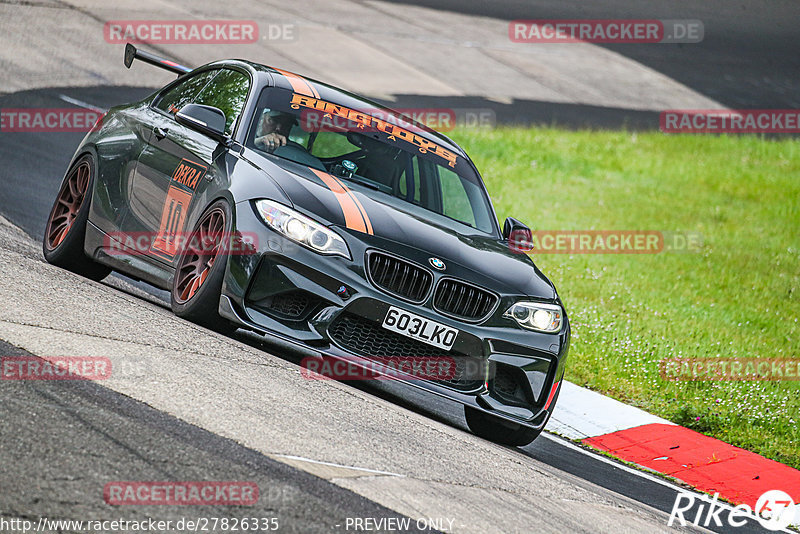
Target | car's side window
(455,197)
(228,92)
(181,94)
(331,145)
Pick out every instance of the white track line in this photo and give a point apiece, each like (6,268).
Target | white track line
(81,104)
(309,460)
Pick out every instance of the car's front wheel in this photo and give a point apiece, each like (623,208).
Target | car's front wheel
(506,432)
(200,271)
(66,226)
(498,430)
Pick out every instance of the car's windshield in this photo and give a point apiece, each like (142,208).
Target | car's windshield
(374,150)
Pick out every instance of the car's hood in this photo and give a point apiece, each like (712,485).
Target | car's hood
(396,226)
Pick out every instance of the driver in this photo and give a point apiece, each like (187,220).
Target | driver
(273,129)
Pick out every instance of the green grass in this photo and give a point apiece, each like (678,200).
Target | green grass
(739,296)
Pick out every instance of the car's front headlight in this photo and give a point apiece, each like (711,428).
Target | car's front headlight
(536,316)
(300,228)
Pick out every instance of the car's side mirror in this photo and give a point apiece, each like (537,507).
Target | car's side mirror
(207,120)
(519,236)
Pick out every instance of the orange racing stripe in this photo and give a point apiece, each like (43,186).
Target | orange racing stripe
(299,84)
(363,211)
(355,217)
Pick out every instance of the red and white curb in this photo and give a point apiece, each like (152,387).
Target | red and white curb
(705,463)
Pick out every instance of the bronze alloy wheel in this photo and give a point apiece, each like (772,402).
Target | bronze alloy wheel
(68,204)
(65,234)
(203,248)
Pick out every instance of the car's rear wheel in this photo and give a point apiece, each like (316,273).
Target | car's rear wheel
(66,226)
(200,271)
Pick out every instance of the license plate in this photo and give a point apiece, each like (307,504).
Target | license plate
(421,329)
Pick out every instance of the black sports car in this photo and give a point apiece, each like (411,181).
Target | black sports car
(332,225)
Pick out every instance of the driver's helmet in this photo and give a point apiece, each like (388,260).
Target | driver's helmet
(281,121)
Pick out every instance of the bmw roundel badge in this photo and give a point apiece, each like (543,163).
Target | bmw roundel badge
(437,264)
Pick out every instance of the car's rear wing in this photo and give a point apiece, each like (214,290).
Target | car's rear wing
(131,53)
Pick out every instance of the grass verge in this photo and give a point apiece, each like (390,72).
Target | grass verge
(737,297)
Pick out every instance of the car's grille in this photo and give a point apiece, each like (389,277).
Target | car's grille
(462,300)
(399,277)
(367,339)
(288,305)
(508,383)
(504,382)
(291,304)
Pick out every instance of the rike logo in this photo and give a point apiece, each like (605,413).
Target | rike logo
(774,510)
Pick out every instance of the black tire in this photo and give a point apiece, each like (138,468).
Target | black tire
(65,232)
(501,431)
(201,305)
(497,429)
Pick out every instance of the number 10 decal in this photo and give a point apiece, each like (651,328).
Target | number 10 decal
(176,206)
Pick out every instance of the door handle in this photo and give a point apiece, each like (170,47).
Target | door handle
(160,132)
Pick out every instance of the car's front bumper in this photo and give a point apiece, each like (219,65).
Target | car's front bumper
(292,294)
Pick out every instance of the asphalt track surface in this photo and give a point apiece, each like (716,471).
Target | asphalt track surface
(90,430)
(33,165)
(747,60)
